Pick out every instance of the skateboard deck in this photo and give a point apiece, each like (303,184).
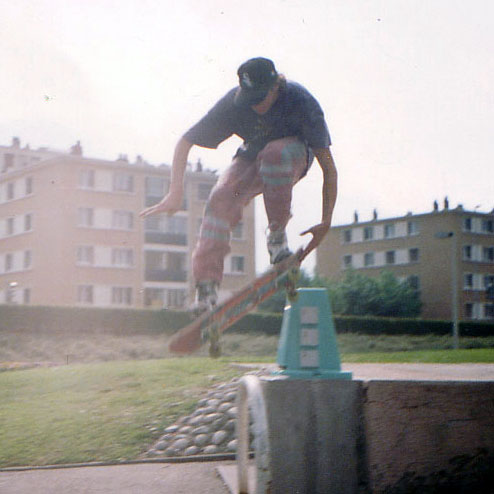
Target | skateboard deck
(225,314)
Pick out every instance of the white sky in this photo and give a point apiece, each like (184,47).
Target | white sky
(406,85)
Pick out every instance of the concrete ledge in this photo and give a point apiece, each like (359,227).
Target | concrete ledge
(380,437)
(428,433)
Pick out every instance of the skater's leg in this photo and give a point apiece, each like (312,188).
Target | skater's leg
(282,163)
(223,211)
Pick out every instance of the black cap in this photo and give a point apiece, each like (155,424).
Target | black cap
(256,77)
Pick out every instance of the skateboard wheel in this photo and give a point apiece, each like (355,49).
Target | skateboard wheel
(214,342)
(214,349)
(205,335)
(292,295)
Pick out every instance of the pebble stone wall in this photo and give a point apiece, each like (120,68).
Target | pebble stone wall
(210,429)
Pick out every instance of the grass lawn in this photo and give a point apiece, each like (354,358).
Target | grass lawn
(110,411)
(461,356)
(97,412)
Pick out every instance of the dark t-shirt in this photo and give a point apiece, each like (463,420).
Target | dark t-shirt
(295,113)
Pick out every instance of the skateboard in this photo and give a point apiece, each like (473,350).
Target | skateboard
(212,323)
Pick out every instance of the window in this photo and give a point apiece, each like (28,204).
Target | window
(29,185)
(176,261)
(121,295)
(85,294)
(10,191)
(155,259)
(412,228)
(85,254)
(122,220)
(390,257)
(156,186)
(467,224)
(369,233)
(389,230)
(347,236)
(123,182)
(85,217)
(468,281)
(238,264)
(488,254)
(28,259)
(238,232)
(159,297)
(166,224)
(153,297)
(469,311)
(152,223)
(347,261)
(467,252)
(86,179)
(175,298)
(28,222)
(9,262)
(10,226)
(489,311)
(369,259)
(488,280)
(175,224)
(203,191)
(413,255)
(122,257)
(488,226)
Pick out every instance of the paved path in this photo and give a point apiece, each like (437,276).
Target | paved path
(422,372)
(162,478)
(166,478)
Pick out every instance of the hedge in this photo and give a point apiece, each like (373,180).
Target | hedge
(82,319)
(132,321)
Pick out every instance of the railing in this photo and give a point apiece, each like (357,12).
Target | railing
(165,238)
(165,275)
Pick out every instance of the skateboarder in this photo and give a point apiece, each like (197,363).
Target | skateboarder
(283,128)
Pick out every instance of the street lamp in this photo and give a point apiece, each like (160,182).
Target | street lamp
(454,288)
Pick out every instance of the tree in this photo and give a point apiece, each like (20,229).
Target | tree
(384,295)
(360,295)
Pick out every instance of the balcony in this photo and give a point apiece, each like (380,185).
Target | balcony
(165,238)
(155,274)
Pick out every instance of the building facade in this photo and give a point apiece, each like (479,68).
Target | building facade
(438,252)
(70,232)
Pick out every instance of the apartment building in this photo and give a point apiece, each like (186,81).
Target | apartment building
(438,252)
(70,232)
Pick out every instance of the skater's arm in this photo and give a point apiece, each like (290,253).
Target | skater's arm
(330,183)
(329,193)
(172,202)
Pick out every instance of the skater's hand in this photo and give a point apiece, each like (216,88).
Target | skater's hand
(170,204)
(318,233)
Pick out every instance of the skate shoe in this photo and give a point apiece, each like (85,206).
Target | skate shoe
(206,297)
(278,246)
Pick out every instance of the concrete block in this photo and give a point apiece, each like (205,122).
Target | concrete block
(314,426)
